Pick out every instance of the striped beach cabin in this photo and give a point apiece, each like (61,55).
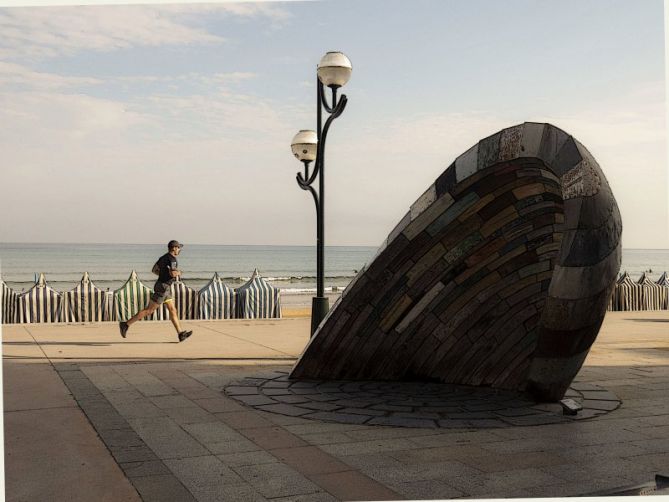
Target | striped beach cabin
(7,303)
(627,294)
(132,297)
(110,306)
(39,304)
(663,282)
(85,303)
(258,299)
(651,293)
(185,300)
(217,301)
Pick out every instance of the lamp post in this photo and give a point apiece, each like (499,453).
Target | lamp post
(333,71)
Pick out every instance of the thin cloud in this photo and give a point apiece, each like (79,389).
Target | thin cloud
(19,76)
(46,32)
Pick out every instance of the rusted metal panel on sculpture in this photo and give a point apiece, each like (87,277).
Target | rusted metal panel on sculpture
(509,144)
(581,181)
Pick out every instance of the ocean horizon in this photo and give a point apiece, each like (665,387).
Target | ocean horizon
(290,268)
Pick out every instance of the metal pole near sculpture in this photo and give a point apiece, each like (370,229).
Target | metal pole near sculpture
(334,70)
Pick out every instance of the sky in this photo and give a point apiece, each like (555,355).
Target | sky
(143,123)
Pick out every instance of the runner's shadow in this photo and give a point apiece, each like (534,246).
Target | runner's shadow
(648,320)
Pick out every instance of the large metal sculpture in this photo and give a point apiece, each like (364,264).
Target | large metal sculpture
(499,275)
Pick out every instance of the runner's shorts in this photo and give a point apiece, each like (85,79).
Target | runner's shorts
(161,292)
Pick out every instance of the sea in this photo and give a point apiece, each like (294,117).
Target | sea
(290,268)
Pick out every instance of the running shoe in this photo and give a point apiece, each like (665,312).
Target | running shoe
(123,326)
(184,334)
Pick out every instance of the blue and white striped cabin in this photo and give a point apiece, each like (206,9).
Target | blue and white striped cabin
(652,294)
(217,301)
(39,304)
(7,303)
(85,303)
(258,299)
(186,301)
(132,297)
(663,282)
(110,306)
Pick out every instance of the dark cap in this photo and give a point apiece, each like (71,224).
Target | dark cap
(174,244)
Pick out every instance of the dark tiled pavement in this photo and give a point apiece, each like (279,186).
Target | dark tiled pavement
(177,436)
(163,429)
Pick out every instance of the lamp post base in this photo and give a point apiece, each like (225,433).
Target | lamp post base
(319,309)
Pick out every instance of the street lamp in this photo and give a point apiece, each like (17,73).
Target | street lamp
(334,70)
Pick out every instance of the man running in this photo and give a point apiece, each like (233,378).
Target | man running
(166,268)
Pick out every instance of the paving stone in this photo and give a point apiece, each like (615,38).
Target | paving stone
(247,458)
(311,497)
(144,468)
(277,392)
(438,454)
(396,421)
(577,488)
(418,472)
(248,390)
(256,400)
(339,417)
(218,404)
(485,423)
(190,415)
(372,433)
(495,463)
(320,397)
(203,475)
(270,438)
(426,489)
(276,480)
(362,411)
(290,399)
(351,485)
(243,419)
(166,438)
(535,419)
(600,404)
(326,438)
(120,437)
(285,409)
(309,460)
(124,454)
(369,461)
(106,421)
(374,446)
(657,461)
(160,488)
(501,484)
(319,406)
(216,432)
(139,409)
(231,447)
(174,401)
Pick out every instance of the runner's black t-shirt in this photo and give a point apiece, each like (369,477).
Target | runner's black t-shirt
(166,263)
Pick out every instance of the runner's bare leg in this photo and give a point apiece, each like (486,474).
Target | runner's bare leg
(146,311)
(174,315)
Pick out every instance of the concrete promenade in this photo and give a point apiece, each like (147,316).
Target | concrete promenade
(91,416)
